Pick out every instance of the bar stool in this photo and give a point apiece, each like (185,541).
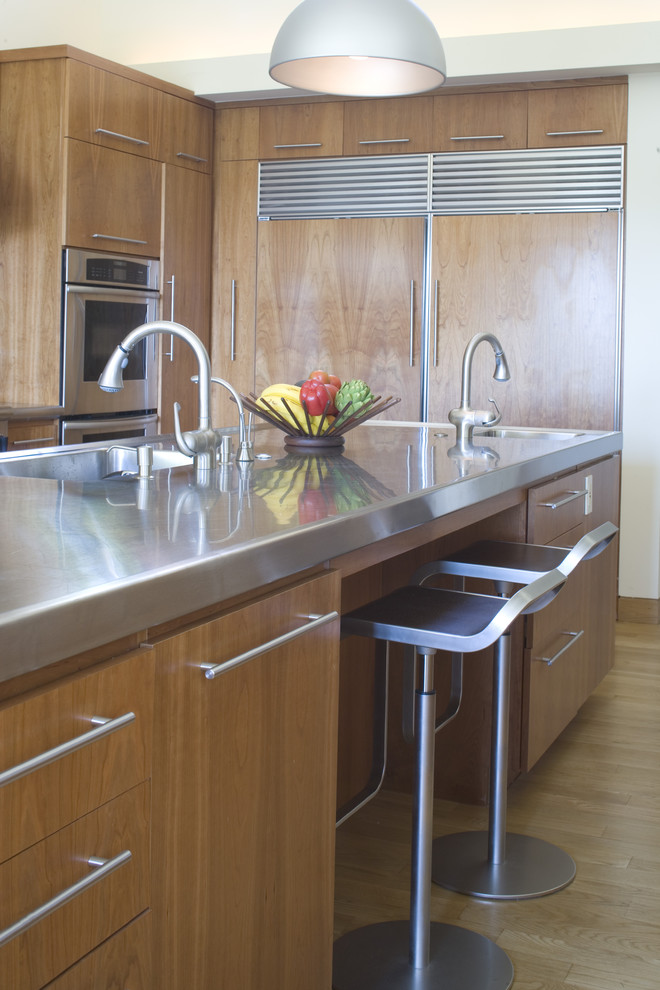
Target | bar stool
(495,864)
(418,954)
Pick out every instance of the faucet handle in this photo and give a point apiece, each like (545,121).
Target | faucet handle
(497,417)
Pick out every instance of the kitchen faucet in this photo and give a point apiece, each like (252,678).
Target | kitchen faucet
(200,444)
(464,418)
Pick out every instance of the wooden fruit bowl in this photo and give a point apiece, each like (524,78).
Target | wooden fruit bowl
(324,433)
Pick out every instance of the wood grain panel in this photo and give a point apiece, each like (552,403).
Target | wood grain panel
(244,800)
(186,133)
(388,127)
(301,130)
(30,246)
(39,873)
(237,134)
(546,285)
(123,961)
(602,109)
(49,798)
(483,122)
(112,193)
(336,294)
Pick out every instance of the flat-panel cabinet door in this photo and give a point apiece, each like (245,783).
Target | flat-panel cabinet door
(343,295)
(186,278)
(546,285)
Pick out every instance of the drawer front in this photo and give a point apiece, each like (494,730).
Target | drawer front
(123,962)
(388,127)
(301,131)
(480,122)
(54,794)
(29,434)
(584,115)
(557,507)
(55,868)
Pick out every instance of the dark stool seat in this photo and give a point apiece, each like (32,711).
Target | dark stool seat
(496,864)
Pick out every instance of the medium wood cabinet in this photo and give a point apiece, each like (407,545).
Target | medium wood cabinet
(480,121)
(75,768)
(186,288)
(27,434)
(570,643)
(244,797)
(301,130)
(580,115)
(388,127)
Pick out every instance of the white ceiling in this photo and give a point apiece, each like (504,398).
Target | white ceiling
(237,36)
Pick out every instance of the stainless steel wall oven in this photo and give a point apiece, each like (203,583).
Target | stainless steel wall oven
(105,296)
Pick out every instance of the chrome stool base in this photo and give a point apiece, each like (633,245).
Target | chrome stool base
(377,958)
(531,867)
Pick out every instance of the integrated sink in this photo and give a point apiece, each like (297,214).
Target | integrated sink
(88,463)
(522,433)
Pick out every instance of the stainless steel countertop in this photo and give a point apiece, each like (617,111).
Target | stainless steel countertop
(86,563)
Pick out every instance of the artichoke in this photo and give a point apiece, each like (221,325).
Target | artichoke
(351,397)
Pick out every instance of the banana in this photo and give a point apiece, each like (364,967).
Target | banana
(281,390)
(271,400)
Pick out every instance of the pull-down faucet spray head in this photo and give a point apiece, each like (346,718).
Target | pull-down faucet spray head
(112,379)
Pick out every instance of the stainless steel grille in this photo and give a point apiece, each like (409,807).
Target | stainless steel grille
(526,181)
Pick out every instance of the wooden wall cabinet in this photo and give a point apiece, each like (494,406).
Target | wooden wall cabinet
(480,121)
(186,133)
(244,798)
(388,127)
(581,115)
(570,643)
(92,801)
(301,130)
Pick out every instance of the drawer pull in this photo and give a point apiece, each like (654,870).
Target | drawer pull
(570,497)
(34,440)
(122,137)
(191,158)
(574,636)
(477,137)
(103,868)
(104,727)
(598,130)
(211,670)
(113,237)
(310,144)
(385,141)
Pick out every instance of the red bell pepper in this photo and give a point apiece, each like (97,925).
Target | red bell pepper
(318,398)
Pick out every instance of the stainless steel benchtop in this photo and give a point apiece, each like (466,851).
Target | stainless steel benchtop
(86,563)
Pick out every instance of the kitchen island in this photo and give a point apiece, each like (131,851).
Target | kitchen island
(157,613)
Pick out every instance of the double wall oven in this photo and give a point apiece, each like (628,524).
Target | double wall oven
(105,296)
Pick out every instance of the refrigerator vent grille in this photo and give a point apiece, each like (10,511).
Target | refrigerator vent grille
(526,181)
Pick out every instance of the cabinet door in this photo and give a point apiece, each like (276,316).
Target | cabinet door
(583,115)
(234,280)
(113,200)
(29,434)
(302,130)
(186,133)
(186,280)
(343,295)
(480,122)
(244,799)
(237,134)
(547,286)
(108,109)
(570,642)
(388,127)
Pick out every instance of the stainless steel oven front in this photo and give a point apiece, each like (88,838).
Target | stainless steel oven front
(105,296)
(88,429)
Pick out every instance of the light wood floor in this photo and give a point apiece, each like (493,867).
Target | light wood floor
(596,793)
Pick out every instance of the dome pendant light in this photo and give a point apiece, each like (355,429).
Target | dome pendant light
(358,48)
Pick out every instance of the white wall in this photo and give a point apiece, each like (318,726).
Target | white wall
(640,518)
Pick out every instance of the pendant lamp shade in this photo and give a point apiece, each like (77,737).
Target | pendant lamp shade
(358,48)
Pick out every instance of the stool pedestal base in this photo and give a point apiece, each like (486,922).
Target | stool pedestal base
(531,867)
(377,958)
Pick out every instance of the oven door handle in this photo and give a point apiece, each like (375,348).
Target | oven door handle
(111,290)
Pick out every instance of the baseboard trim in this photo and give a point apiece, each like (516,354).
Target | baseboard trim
(639,610)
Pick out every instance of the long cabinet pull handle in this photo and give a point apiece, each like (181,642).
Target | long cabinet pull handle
(232,341)
(191,158)
(170,353)
(34,440)
(412,323)
(104,726)
(436,295)
(574,636)
(103,868)
(385,141)
(570,497)
(122,137)
(597,130)
(114,237)
(213,670)
(309,144)
(477,137)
